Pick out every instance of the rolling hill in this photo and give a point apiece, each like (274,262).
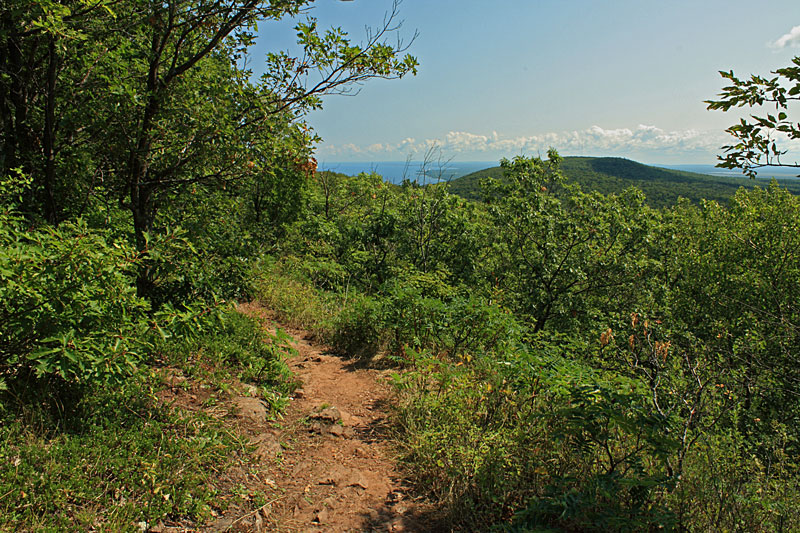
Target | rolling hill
(661,186)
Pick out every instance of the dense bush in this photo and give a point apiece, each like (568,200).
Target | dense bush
(121,461)
(70,311)
(566,444)
(566,360)
(585,362)
(68,307)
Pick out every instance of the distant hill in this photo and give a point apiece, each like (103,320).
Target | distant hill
(661,186)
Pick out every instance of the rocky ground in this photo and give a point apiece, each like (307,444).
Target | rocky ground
(329,461)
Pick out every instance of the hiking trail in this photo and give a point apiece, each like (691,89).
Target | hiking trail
(334,467)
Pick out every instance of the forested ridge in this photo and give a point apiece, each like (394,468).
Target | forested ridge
(565,357)
(661,186)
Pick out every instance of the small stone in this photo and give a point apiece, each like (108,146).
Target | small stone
(329,502)
(336,430)
(330,413)
(359,452)
(251,409)
(321,517)
(222,524)
(358,481)
(350,420)
(299,393)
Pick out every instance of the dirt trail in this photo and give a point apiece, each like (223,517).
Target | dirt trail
(335,470)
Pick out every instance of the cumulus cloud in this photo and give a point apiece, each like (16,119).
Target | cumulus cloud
(595,140)
(408,142)
(789,39)
(349,147)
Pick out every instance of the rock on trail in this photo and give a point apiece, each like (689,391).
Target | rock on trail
(334,468)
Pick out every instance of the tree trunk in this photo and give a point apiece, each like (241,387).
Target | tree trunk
(48,137)
(142,203)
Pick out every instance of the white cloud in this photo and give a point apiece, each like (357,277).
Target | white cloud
(350,147)
(790,39)
(408,142)
(595,140)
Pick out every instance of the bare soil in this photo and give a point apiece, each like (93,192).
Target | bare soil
(330,461)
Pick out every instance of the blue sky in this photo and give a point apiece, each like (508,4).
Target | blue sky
(498,79)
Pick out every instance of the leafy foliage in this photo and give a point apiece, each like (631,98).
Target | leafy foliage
(584,362)
(143,173)
(236,348)
(69,310)
(69,307)
(153,100)
(759,139)
(611,360)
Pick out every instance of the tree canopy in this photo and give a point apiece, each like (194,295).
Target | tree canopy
(136,101)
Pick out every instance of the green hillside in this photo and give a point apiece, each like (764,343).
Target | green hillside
(614,174)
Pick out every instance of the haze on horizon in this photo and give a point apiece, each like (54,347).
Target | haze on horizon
(622,78)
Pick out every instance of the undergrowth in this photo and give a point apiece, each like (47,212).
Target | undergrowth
(237,349)
(351,323)
(130,462)
(508,429)
(116,458)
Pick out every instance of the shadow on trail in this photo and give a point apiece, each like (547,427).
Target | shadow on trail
(403,510)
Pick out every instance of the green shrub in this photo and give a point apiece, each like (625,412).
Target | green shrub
(536,436)
(446,323)
(122,462)
(70,317)
(68,307)
(358,328)
(236,347)
(726,487)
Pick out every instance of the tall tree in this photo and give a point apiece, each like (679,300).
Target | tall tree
(161,99)
(48,51)
(190,93)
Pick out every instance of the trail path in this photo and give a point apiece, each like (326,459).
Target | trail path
(335,469)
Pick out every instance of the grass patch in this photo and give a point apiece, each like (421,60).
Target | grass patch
(349,322)
(280,288)
(112,458)
(238,349)
(131,462)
